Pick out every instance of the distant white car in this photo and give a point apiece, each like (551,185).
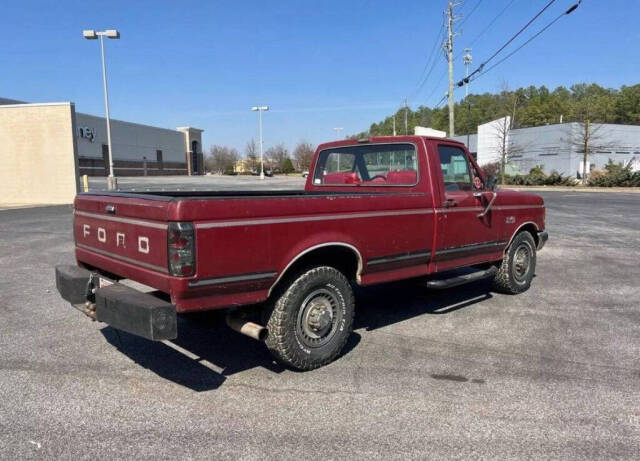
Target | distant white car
(305,174)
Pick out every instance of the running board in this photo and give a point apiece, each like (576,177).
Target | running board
(441,284)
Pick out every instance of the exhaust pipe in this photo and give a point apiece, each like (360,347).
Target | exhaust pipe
(250,329)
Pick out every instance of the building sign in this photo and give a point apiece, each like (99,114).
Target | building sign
(87,133)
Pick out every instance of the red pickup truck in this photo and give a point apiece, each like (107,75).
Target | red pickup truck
(372,211)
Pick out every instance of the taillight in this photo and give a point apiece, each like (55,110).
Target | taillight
(180,241)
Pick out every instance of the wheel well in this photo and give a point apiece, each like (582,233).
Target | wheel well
(343,258)
(529,227)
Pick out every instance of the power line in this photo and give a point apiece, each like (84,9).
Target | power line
(513,37)
(493,21)
(437,106)
(551,2)
(437,85)
(533,37)
(473,10)
(432,56)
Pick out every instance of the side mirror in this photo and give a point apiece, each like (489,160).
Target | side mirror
(492,182)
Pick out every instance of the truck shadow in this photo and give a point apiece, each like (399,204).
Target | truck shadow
(384,305)
(206,351)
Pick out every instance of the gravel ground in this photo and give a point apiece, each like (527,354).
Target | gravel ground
(465,373)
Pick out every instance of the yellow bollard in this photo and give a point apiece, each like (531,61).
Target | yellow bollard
(85,183)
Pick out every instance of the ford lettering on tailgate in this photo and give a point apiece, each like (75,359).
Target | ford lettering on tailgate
(135,241)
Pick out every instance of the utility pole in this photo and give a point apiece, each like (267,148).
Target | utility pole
(448,48)
(586,151)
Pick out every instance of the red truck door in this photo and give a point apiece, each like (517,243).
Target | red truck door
(464,237)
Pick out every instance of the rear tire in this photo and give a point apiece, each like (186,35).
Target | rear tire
(518,267)
(310,321)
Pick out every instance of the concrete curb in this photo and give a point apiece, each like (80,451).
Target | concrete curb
(610,190)
(18,206)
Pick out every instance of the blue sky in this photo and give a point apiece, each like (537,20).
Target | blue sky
(317,64)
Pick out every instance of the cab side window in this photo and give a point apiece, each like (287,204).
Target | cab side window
(455,168)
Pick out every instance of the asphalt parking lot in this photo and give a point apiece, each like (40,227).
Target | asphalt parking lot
(465,373)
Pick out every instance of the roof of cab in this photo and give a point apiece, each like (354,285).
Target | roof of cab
(385,139)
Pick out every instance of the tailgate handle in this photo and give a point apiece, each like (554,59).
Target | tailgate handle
(111,209)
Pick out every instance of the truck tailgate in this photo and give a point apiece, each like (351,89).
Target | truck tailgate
(126,229)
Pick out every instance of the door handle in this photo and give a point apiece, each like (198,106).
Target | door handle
(449,203)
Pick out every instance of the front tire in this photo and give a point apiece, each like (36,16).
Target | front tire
(310,321)
(518,267)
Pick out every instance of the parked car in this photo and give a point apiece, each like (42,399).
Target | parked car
(373,211)
(267,172)
(305,174)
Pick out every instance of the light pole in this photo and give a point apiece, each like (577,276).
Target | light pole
(467,59)
(259,110)
(93,35)
(338,129)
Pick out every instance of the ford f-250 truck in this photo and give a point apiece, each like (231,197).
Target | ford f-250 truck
(373,210)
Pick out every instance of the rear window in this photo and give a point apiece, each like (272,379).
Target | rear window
(368,165)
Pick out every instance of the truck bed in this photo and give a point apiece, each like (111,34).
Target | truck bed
(249,193)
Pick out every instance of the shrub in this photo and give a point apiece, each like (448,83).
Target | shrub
(287,166)
(537,177)
(614,175)
(556,179)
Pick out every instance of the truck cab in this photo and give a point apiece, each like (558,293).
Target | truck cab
(468,221)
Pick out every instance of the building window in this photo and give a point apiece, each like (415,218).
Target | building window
(159,159)
(623,152)
(105,158)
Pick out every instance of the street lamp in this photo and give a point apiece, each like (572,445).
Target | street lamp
(93,35)
(259,110)
(338,130)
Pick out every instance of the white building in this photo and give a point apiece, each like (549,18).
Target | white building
(137,149)
(555,147)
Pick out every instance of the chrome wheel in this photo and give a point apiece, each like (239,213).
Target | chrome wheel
(318,318)
(522,262)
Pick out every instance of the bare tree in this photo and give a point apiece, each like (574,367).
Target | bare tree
(586,140)
(588,137)
(251,156)
(303,155)
(504,144)
(221,159)
(277,155)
